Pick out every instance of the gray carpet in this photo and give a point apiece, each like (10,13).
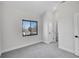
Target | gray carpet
(40,50)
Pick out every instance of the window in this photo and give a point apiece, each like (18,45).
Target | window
(29,27)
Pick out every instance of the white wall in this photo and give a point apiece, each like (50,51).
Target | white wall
(65,16)
(12,28)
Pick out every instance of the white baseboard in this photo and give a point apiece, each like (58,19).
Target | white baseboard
(76,53)
(66,49)
(46,42)
(21,46)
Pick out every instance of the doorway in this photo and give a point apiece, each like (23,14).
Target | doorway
(53,33)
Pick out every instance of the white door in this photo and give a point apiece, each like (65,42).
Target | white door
(76,33)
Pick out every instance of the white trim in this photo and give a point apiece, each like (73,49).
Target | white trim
(71,51)
(21,46)
(77,54)
(46,42)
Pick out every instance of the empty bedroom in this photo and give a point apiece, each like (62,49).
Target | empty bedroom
(39,29)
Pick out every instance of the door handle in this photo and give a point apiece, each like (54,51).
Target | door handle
(76,36)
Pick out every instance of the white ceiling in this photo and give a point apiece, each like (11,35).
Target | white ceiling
(33,7)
